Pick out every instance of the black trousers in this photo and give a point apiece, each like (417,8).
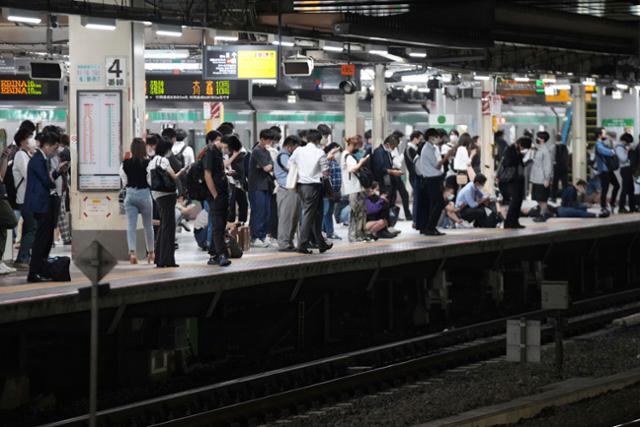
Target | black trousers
(219,208)
(44,238)
(515,189)
(273,217)
(239,199)
(166,240)
(404,194)
(435,201)
(607,178)
(477,216)
(627,188)
(559,177)
(311,227)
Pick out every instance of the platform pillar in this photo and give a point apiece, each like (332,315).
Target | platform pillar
(579,141)
(350,115)
(486,138)
(96,214)
(379,106)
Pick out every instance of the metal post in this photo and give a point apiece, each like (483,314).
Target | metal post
(559,344)
(486,139)
(523,340)
(93,367)
(579,142)
(379,107)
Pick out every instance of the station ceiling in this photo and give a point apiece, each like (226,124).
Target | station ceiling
(583,37)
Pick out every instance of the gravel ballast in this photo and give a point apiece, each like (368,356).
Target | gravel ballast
(483,384)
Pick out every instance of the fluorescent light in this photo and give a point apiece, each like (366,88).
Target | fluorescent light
(94,23)
(378,50)
(588,82)
(147,23)
(292,98)
(330,46)
(286,42)
(563,86)
(481,77)
(168,30)
(616,94)
(265,82)
(163,66)
(522,79)
(424,90)
(549,79)
(622,86)
(226,36)
(415,78)
(20,15)
(417,53)
(166,54)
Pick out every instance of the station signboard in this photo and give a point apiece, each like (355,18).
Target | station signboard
(240,62)
(191,87)
(17,87)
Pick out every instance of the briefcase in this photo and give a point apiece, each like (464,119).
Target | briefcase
(243,236)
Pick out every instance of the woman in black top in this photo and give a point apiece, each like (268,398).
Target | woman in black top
(238,182)
(133,173)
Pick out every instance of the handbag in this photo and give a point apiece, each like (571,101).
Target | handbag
(462,179)
(292,176)
(327,188)
(161,181)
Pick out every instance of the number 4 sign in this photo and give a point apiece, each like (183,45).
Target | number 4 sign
(116,71)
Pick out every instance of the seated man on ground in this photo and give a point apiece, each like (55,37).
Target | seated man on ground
(377,206)
(571,207)
(475,206)
(450,217)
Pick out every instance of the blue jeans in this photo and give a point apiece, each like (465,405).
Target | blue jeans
(138,202)
(327,215)
(575,213)
(260,202)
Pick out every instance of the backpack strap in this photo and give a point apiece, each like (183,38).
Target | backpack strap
(181,152)
(279,161)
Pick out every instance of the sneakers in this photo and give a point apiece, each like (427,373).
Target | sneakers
(333,237)
(222,261)
(260,243)
(5,269)
(21,266)
(604,214)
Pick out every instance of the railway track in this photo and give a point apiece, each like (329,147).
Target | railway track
(293,389)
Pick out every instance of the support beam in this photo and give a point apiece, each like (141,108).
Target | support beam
(116,319)
(379,107)
(579,141)
(350,115)
(296,289)
(486,138)
(213,304)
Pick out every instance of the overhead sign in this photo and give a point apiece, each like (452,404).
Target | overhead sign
(99,140)
(348,70)
(193,87)
(240,62)
(115,71)
(22,88)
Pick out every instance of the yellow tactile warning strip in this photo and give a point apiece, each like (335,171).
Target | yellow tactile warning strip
(15,290)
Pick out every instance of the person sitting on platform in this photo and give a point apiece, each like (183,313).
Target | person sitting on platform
(450,217)
(378,217)
(476,207)
(571,207)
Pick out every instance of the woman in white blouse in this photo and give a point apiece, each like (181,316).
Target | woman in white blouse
(462,159)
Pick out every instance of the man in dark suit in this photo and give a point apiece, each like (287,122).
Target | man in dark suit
(382,167)
(42,200)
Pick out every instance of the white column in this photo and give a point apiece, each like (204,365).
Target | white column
(486,139)
(350,115)
(379,107)
(90,47)
(579,140)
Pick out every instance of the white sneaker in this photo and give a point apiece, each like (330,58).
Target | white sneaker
(259,243)
(6,267)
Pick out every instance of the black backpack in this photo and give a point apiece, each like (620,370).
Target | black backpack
(11,186)
(180,156)
(364,175)
(196,185)
(613,163)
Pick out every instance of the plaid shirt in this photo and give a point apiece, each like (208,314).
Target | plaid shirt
(336,175)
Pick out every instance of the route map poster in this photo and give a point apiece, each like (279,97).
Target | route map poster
(99,140)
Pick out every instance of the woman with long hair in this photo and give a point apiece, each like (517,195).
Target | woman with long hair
(163,182)
(137,201)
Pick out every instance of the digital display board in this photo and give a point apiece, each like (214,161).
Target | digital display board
(193,87)
(21,87)
(240,62)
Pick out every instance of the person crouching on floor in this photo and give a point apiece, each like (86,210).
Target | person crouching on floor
(377,205)
(571,207)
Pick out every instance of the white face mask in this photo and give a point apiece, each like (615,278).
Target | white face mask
(524,151)
(450,197)
(453,138)
(32,144)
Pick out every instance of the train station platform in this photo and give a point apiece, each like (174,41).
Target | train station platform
(136,284)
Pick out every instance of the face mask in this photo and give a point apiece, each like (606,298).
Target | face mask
(60,149)
(450,197)
(151,151)
(32,144)
(524,151)
(453,138)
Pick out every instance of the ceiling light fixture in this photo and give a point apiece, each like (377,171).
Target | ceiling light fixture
(20,15)
(93,23)
(284,41)
(226,36)
(622,86)
(168,30)
(164,66)
(481,77)
(417,53)
(166,54)
(265,82)
(330,46)
(522,79)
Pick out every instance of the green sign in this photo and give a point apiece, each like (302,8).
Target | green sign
(48,115)
(617,123)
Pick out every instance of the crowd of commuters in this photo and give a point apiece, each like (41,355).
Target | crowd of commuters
(292,190)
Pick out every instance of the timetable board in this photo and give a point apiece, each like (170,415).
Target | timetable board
(99,140)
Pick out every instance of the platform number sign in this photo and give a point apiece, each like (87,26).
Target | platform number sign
(116,71)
